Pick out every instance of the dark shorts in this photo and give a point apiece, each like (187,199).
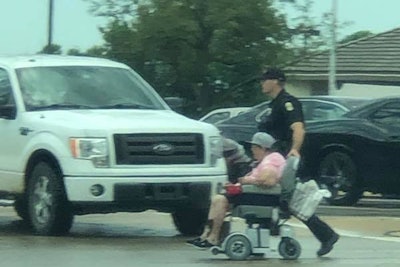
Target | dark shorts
(254,199)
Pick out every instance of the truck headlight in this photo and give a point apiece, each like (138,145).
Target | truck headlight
(216,149)
(94,149)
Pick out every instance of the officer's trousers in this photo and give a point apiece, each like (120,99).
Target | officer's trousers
(322,231)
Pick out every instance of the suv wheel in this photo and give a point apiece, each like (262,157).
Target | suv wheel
(49,209)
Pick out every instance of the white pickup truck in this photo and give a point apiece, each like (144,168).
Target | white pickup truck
(85,135)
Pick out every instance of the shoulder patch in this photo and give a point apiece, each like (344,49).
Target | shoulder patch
(289,106)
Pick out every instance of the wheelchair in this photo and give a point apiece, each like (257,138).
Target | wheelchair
(263,222)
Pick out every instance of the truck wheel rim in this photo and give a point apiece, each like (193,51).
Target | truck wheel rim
(42,200)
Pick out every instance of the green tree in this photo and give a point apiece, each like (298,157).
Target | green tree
(94,51)
(54,49)
(305,31)
(75,52)
(310,34)
(355,36)
(196,49)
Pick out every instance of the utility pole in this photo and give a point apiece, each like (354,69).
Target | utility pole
(332,55)
(50,29)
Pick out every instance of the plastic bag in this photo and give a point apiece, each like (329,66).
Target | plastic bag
(306,198)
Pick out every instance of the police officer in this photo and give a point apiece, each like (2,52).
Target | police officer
(285,122)
(284,119)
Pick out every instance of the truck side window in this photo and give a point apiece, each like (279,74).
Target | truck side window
(6,97)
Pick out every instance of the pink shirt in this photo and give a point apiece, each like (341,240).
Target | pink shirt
(274,161)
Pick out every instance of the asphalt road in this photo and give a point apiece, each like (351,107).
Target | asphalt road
(150,239)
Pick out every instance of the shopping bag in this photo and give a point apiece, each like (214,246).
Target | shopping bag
(306,198)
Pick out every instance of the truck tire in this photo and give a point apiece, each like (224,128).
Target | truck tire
(190,221)
(21,208)
(49,210)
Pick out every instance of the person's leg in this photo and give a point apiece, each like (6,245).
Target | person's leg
(219,207)
(323,232)
(320,229)
(207,229)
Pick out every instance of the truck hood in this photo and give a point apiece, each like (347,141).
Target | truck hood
(122,121)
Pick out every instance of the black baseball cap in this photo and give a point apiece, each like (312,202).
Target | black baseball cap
(273,74)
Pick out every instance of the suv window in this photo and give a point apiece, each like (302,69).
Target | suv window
(6,97)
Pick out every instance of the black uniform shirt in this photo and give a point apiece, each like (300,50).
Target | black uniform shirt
(285,110)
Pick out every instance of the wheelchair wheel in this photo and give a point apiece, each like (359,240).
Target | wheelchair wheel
(289,248)
(238,247)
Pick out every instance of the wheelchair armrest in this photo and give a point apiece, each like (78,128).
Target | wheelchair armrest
(256,189)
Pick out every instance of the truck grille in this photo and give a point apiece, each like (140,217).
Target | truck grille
(176,148)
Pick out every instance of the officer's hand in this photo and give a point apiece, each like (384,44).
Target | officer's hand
(293,152)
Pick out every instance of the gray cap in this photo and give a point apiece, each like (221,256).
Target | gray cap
(263,140)
(229,144)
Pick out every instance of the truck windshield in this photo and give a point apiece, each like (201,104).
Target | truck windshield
(85,87)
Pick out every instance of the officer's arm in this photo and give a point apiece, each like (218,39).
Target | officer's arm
(297,138)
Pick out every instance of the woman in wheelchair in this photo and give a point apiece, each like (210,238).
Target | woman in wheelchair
(267,172)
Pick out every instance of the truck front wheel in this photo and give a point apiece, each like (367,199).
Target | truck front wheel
(21,207)
(49,209)
(190,221)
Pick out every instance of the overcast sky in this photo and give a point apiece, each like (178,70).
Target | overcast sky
(374,15)
(23,23)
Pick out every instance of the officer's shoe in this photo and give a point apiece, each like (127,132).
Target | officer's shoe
(327,246)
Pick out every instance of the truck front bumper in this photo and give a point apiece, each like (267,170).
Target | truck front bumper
(143,191)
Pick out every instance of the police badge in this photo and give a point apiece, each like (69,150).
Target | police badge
(289,106)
